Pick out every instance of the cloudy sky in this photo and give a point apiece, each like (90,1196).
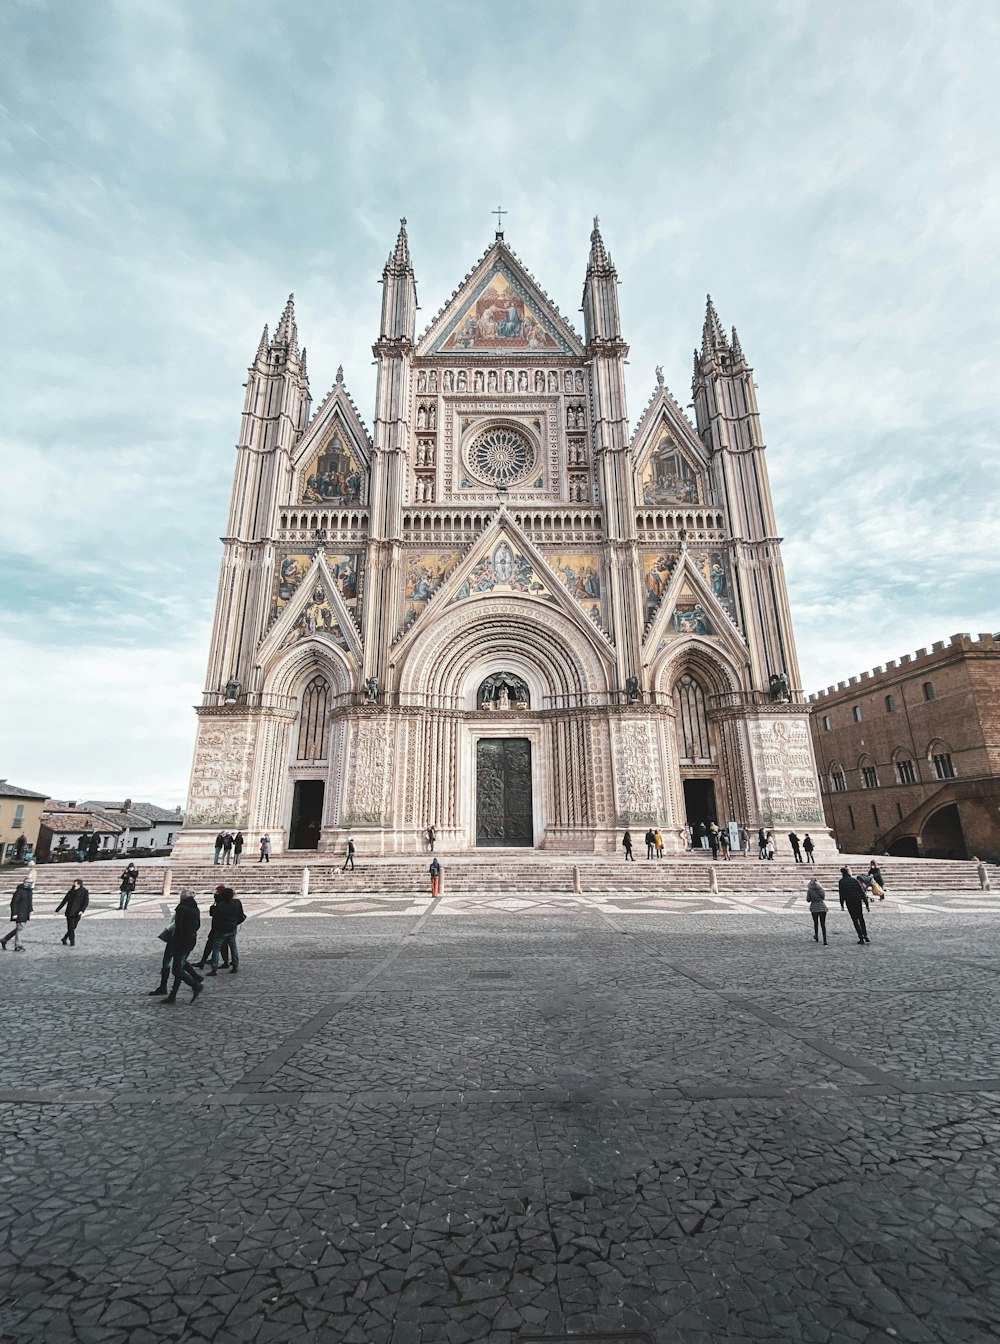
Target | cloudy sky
(171,169)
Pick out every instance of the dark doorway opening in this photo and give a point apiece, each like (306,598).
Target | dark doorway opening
(942,836)
(307,814)
(699,801)
(905,847)
(503,792)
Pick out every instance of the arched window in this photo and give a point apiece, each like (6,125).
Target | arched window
(868,772)
(693,722)
(905,767)
(838,780)
(939,756)
(312,720)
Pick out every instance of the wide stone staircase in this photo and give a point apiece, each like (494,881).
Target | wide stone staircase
(516,872)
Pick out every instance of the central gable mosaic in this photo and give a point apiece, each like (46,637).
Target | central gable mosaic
(502,316)
(668,477)
(335,476)
(505,570)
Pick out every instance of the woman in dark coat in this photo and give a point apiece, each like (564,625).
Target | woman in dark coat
(74,902)
(20,912)
(187,922)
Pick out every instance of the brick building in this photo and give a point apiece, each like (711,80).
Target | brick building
(909,754)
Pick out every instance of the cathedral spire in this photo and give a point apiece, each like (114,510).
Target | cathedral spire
(739,358)
(601,320)
(399,292)
(286,332)
(263,344)
(713,338)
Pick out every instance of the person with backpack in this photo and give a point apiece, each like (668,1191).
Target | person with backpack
(435,872)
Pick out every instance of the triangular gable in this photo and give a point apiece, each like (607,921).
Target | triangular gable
(502,562)
(332,459)
(690,607)
(500,309)
(671,465)
(315,612)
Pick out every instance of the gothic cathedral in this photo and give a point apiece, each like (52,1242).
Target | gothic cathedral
(500,611)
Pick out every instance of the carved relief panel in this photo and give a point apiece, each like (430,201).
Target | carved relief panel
(638,789)
(220,783)
(782,765)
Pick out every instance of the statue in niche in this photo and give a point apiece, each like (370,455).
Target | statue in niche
(553,381)
(539,381)
(421,417)
(503,691)
(478,380)
(632,690)
(432,416)
(371,690)
(492,381)
(579,381)
(508,380)
(449,381)
(463,381)
(522,381)
(422,381)
(568,381)
(781,692)
(432,381)
(232,692)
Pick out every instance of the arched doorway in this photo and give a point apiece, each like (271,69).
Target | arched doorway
(942,836)
(695,753)
(905,847)
(503,792)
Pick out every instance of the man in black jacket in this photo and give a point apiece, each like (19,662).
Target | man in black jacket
(852,895)
(187,922)
(20,913)
(227,916)
(74,902)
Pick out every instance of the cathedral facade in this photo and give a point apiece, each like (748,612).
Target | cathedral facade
(501,611)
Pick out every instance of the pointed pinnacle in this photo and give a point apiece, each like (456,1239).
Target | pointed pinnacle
(302,363)
(286,332)
(264,341)
(738,355)
(713,338)
(598,252)
(340,375)
(399,258)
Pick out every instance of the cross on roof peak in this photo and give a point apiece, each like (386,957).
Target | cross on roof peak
(499,212)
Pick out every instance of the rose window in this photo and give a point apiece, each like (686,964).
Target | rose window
(501,455)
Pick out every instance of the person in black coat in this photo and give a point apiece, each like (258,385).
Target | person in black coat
(227,916)
(793,840)
(21,905)
(187,922)
(238,843)
(808,846)
(74,903)
(650,843)
(852,896)
(126,885)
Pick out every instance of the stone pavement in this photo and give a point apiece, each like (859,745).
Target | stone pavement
(506,1121)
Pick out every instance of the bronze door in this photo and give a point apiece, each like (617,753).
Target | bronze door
(503,792)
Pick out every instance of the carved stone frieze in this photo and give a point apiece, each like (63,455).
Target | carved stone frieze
(638,791)
(784,772)
(372,759)
(222,775)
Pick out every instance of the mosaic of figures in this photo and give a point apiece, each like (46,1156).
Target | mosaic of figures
(667,477)
(500,318)
(335,475)
(424,574)
(317,620)
(490,381)
(505,570)
(689,617)
(293,566)
(580,571)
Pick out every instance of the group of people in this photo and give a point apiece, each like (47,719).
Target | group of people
(180,939)
(229,847)
(854,890)
(22,903)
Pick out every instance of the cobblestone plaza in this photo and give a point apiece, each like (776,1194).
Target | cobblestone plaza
(506,1120)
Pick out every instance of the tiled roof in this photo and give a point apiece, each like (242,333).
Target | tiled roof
(73,822)
(120,819)
(149,811)
(14,791)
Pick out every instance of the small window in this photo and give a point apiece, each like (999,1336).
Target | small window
(850,813)
(826,723)
(874,814)
(857,713)
(905,771)
(839,782)
(170,837)
(899,811)
(928,690)
(135,842)
(869,777)
(943,767)
(18,821)
(890,704)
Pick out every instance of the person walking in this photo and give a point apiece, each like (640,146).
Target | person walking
(126,885)
(265,849)
(349,857)
(816,897)
(93,847)
(431,834)
(435,872)
(627,846)
(21,906)
(650,843)
(220,840)
(768,845)
(81,847)
(853,898)
(808,846)
(713,840)
(238,843)
(796,845)
(206,951)
(187,922)
(744,842)
(658,842)
(876,880)
(74,902)
(227,916)
(227,849)
(702,835)
(761,843)
(724,841)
